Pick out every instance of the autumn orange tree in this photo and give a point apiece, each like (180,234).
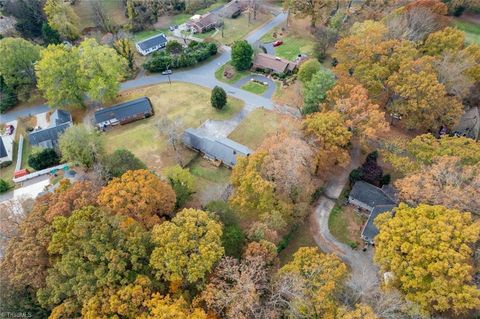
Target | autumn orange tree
(447,39)
(139,194)
(361,311)
(429,251)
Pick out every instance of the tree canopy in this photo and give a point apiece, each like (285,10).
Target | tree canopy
(242,53)
(316,90)
(80,145)
(121,161)
(62,18)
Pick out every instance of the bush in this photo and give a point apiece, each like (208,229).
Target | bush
(120,161)
(174,47)
(4,186)
(44,158)
(182,182)
(242,54)
(223,211)
(8,98)
(233,240)
(218,98)
(308,69)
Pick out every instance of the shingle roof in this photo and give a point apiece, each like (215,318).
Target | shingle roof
(469,124)
(48,137)
(59,117)
(232,8)
(222,149)
(370,194)
(370,230)
(124,110)
(274,63)
(151,42)
(205,20)
(3,150)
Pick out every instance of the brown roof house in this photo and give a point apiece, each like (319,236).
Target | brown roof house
(204,23)
(232,9)
(273,64)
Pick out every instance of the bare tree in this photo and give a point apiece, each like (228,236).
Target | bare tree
(12,212)
(452,70)
(173,130)
(101,17)
(415,24)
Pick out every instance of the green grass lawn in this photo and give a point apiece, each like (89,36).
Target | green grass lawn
(138,36)
(301,237)
(187,102)
(239,28)
(472,30)
(259,124)
(237,76)
(255,87)
(345,224)
(294,43)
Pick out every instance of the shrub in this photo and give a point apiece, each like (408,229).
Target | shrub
(174,47)
(233,240)
(218,98)
(44,158)
(182,182)
(4,186)
(119,162)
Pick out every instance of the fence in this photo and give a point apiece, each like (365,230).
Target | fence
(39,173)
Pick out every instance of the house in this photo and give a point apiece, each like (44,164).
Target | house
(124,113)
(151,44)
(469,125)
(232,9)
(218,149)
(203,23)
(60,121)
(370,230)
(6,150)
(367,196)
(273,64)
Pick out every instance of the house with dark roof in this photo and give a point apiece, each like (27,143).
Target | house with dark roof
(124,113)
(154,43)
(232,9)
(60,121)
(6,150)
(272,64)
(221,149)
(369,231)
(203,23)
(469,124)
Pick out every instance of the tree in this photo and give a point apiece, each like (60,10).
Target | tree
(218,98)
(124,47)
(182,182)
(49,35)
(187,247)
(308,69)
(447,39)
(320,281)
(329,132)
(429,250)
(8,98)
(314,9)
(324,38)
(4,186)
(361,311)
(370,171)
(447,182)
(105,251)
(233,240)
(12,212)
(29,15)
(242,53)
(223,211)
(166,307)
(421,99)
(173,131)
(119,162)
(43,158)
(62,18)
(174,47)
(316,90)
(17,65)
(79,145)
(140,195)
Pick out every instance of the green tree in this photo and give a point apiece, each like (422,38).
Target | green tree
(106,252)
(187,247)
(62,18)
(125,48)
(49,35)
(4,186)
(121,161)
(80,145)
(218,98)
(316,90)
(429,250)
(308,69)
(182,182)
(43,158)
(17,65)
(242,54)
(8,98)
(174,47)
(233,239)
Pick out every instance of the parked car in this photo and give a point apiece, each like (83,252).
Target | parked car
(277,43)
(167,72)
(171,28)
(10,129)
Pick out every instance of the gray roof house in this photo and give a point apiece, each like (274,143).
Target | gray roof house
(6,149)
(151,44)
(469,124)
(370,230)
(60,121)
(124,113)
(367,196)
(220,149)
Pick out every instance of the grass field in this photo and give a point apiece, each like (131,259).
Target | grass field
(114,9)
(301,237)
(187,102)
(237,76)
(259,124)
(472,30)
(239,28)
(345,224)
(294,43)
(255,87)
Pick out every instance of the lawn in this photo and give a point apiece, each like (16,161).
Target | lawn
(300,237)
(186,102)
(142,35)
(472,30)
(237,75)
(239,28)
(114,8)
(255,87)
(259,124)
(346,225)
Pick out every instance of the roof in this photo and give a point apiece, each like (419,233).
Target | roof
(274,63)
(205,20)
(59,117)
(370,194)
(158,39)
(370,230)
(469,124)
(3,150)
(232,8)
(124,110)
(48,137)
(222,149)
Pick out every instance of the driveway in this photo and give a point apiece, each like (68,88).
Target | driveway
(270,84)
(29,189)
(269,48)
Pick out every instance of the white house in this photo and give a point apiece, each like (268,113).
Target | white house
(151,44)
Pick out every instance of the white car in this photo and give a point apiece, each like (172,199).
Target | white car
(167,72)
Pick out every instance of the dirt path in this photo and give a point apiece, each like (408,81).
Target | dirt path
(360,262)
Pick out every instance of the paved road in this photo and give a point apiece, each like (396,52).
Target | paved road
(15,114)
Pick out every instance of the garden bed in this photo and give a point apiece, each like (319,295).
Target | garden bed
(255,87)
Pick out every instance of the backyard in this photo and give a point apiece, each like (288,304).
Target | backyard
(346,225)
(471,29)
(114,8)
(173,102)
